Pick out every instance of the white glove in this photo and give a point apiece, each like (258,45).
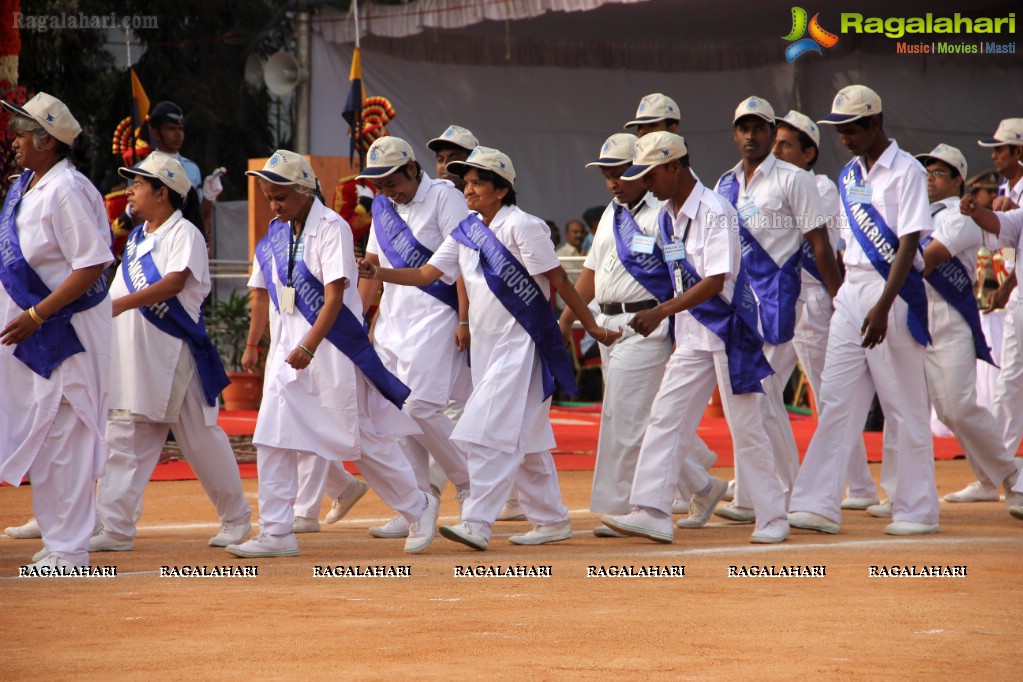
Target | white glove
(211,186)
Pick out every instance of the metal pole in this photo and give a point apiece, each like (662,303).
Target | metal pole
(302,95)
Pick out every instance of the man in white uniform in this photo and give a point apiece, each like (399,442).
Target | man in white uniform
(717,344)
(877,338)
(780,207)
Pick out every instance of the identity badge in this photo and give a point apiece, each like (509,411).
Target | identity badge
(287,299)
(747,208)
(674,251)
(643,243)
(858,194)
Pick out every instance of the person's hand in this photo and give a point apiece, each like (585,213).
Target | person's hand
(566,330)
(967,205)
(211,186)
(1003,204)
(462,337)
(646,321)
(299,358)
(875,327)
(366,269)
(250,358)
(997,299)
(18,329)
(605,336)
(119,306)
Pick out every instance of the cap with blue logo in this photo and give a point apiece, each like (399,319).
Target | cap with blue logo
(852,102)
(802,123)
(164,168)
(946,154)
(754,106)
(385,156)
(616,150)
(655,107)
(1010,131)
(454,135)
(485,158)
(287,168)
(655,149)
(52,114)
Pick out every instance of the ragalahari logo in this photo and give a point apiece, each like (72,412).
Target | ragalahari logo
(818,36)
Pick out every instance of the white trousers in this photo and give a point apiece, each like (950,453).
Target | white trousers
(135,449)
(493,474)
(951,371)
(689,380)
(895,369)
(811,344)
(62,487)
(434,440)
(318,477)
(1008,401)
(439,479)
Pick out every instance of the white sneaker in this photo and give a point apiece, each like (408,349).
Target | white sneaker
(51,562)
(395,528)
(859,503)
(420,533)
(975,492)
(679,506)
(733,512)
(702,506)
(344,503)
(105,542)
(1016,512)
(266,545)
(465,534)
(305,524)
(28,531)
(511,511)
(642,524)
(910,528)
(881,511)
(230,534)
(775,532)
(40,555)
(541,535)
(603,531)
(730,492)
(811,521)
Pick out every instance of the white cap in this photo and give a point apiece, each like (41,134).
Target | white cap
(456,135)
(653,150)
(616,151)
(164,168)
(852,102)
(947,154)
(802,123)
(287,168)
(52,114)
(385,156)
(655,107)
(486,159)
(754,106)
(1010,131)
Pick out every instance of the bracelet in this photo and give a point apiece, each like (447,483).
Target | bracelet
(301,347)
(35,316)
(463,324)
(259,349)
(605,335)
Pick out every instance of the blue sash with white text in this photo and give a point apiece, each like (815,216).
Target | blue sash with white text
(171,318)
(347,335)
(55,341)
(648,269)
(516,289)
(403,250)
(777,287)
(879,244)
(735,324)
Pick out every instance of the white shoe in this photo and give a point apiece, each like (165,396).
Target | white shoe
(730,492)
(53,563)
(975,492)
(305,524)
(40,555)
(344,503)
(882,510)
(702,506)
(774,533)
(465,534)
(266,545)
(910,528)
(511,511)
(230,534)
(811,521)
(541,535)
(642,524)
(1016,512)
(395,528)
(28,531)
(679,506)
(603,531)
(733,512)
(420,533)
(859,503)
(104,542)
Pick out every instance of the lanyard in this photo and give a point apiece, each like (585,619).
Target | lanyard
(293,243)
(685,232)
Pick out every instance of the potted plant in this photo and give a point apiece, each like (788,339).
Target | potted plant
(227,323)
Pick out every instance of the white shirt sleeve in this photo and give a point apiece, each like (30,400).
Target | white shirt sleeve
(187,250)
(451,210)
(914,206)
(331,253)
(957,232)
(256,280)
(534,241)
(1011,223)
(79,229)
(805,202)
(719,245)
(445,259)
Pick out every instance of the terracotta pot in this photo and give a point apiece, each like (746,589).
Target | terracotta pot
(244,392)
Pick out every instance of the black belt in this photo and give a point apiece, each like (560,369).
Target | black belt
(619,308)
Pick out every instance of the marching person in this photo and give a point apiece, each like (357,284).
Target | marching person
(717,344)
(878,331)
(168,374)
(656,112)
(334,400)
(55,338)
(507,262)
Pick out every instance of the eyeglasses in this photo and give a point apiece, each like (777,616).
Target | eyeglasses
(934,174)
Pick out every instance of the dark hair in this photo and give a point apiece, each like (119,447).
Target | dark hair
(78,153)
(188,204)
(684,161)
(592,214)
(864,121)
(499,183)
(443,145)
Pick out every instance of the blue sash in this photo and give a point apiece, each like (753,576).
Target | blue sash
(347,335)
(649,269)
(777,287)
(170,317)
(403,250)
(736,325)
(879,244)
(952,281)
(55,341)
(515,288)
(810,261)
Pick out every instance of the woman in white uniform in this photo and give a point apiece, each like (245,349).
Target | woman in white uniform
(506,427)
(55,317)
(168,374)
(334,400)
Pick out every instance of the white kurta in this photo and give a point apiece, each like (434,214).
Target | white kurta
(62,227)
(415,332)
(506,410)
(143,377)
(318,409)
